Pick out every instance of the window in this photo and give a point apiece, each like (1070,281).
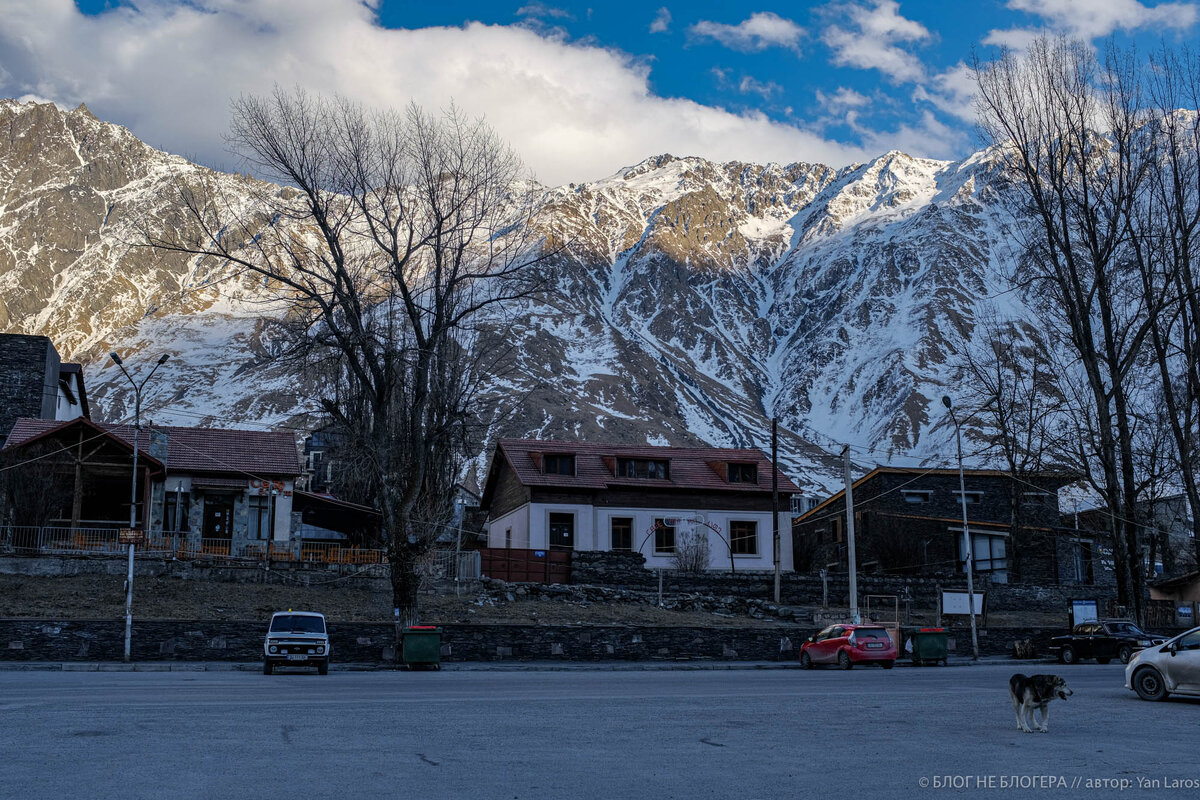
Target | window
(743,473)
(622,533)
(1081,561)
(916,495)
(175,511)
(562,531)
(664,537)
(559,464)
(743,537)
(508,538)
(260,517)
(972,497)
(991,554)
(835,529)
(643,468)
(1037,498)
(1189,642)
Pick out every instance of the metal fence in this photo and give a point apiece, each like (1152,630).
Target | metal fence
(451,564)
(32,540)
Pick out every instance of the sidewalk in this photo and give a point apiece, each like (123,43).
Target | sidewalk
(466,666)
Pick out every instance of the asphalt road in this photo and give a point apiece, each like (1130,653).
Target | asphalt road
(581,734)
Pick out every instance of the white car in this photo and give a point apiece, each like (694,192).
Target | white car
(297,639)
(1170,668)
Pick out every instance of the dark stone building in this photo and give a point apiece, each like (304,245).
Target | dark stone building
(34,382)
(909,522)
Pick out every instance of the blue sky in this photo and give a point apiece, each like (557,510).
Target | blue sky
(580,90)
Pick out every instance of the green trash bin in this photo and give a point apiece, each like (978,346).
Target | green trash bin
(421,646)
(929,645)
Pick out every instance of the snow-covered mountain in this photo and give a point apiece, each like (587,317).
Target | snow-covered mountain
(694,299)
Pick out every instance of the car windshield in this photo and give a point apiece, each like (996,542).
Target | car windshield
(298,623)
(871,633)
(1124,629)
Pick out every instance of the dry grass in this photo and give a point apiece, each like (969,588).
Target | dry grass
(101,597)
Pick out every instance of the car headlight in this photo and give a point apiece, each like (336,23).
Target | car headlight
(272,649)
(1143,642)
(320,650)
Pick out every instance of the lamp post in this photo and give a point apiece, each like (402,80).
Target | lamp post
(137,427)
(962,496)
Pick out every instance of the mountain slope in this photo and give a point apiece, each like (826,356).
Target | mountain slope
(693,299)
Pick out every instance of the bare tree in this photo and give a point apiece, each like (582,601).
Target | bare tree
(1164,232)
(1008,375)
(1068,131)
(35,485)
(396,233)
(692,548)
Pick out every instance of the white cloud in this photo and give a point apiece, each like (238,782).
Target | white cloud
(662,21)
(761,30)
(167,71)
(952,91)
(872,39)
(841,100)
(844,106)
(929,138)
(1093,19)
(542,10)
(750,85)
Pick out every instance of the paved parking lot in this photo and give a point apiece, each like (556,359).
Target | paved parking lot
(581,734)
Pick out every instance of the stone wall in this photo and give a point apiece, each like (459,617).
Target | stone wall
(225,640)
(175,640)
(28,379)
(200,569)
(626,571)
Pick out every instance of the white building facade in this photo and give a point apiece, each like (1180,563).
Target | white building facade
(547,495)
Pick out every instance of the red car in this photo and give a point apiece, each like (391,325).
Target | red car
(847,645)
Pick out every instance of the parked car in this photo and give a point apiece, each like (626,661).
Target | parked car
(297,639)
(1170,668)
(847,645)
(1103,641)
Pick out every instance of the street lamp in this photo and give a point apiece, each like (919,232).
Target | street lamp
(962,496)
(137,427)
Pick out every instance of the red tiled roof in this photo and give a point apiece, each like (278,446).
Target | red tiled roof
(205,450)
(690,467)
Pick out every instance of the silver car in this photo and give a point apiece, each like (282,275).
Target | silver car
(297,639)
(1170,668)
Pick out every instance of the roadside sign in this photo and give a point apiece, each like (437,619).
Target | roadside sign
(1084,611)
(959,602)
(130,536)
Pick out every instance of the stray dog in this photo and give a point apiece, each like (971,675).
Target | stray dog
(1034,692)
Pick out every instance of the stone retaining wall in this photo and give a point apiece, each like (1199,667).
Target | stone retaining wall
(224,640)
(222,571)
(626,571)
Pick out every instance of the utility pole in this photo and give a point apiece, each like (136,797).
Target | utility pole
(775,498)
(137,427)
(962,496)
(850,555)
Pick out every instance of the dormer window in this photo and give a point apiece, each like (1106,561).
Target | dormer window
(558,464)
(743,473)
(643,468)
(916,496)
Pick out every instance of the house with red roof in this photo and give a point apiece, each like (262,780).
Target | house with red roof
(227,488)
(557,495)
